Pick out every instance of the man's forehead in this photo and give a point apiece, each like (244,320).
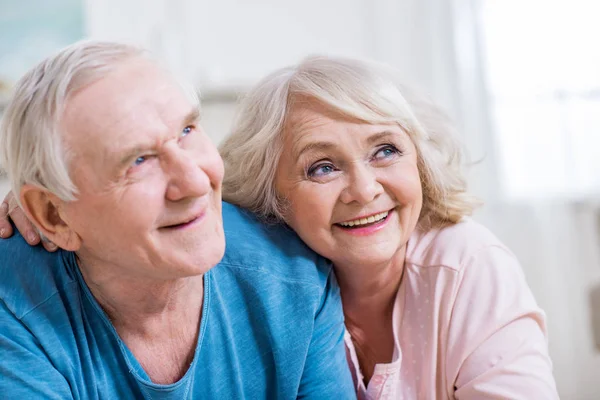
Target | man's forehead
(132,107)
(127,86)
(131,95)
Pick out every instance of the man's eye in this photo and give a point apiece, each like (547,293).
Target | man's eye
(140,160)
(186,131)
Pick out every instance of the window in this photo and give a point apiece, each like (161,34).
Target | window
(543,66)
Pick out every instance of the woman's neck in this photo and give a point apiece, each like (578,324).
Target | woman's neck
(370,289)
(368,297)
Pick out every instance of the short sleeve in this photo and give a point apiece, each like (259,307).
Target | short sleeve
(25,371)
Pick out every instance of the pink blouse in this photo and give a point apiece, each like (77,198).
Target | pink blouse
(466,325)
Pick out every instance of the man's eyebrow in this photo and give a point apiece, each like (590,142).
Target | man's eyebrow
(192,117)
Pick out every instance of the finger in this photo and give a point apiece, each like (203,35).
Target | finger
(49,246)
(22,224)
(5,226)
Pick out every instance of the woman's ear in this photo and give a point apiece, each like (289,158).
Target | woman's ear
(44,210)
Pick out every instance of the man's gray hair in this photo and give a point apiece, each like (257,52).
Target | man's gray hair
(31,144)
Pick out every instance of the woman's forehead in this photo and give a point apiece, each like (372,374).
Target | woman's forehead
(310,115)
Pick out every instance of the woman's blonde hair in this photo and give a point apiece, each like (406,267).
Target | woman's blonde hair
(355,89)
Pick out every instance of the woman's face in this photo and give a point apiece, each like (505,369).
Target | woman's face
(353,188)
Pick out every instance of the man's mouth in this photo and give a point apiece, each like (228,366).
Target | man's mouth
(185,222)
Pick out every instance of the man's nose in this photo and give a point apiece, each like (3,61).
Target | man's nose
(186,177)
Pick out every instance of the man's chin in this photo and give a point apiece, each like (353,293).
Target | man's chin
(193,251)
(201,260)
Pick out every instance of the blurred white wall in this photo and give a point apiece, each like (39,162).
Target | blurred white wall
(231,42)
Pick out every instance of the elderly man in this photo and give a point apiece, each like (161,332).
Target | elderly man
(142,300)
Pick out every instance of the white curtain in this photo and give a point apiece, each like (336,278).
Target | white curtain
(439,44)
(545,85)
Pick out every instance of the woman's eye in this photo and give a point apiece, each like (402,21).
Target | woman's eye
(321,170)
(386,152)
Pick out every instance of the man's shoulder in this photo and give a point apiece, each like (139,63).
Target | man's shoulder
(30,275)
(274,249)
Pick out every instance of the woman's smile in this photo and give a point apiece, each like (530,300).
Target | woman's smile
(365,226)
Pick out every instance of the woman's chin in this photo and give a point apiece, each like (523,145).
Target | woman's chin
(374,257)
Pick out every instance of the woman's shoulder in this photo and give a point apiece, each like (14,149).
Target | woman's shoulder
(451,246)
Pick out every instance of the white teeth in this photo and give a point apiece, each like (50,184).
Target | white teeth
(364,221)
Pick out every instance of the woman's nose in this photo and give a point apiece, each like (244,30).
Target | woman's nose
(363,186)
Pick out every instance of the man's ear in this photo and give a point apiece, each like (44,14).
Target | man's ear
(44,211)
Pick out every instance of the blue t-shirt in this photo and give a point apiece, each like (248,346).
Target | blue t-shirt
(272,326)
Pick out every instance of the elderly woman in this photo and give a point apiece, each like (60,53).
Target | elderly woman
(369,175)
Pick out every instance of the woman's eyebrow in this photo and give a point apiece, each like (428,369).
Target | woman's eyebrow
(322,146)
(377,137)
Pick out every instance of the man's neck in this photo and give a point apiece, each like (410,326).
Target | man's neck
(135,302)
(159,321)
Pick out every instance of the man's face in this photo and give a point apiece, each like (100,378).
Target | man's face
(149,179)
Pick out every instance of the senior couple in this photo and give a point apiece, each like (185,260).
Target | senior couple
(343,266)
